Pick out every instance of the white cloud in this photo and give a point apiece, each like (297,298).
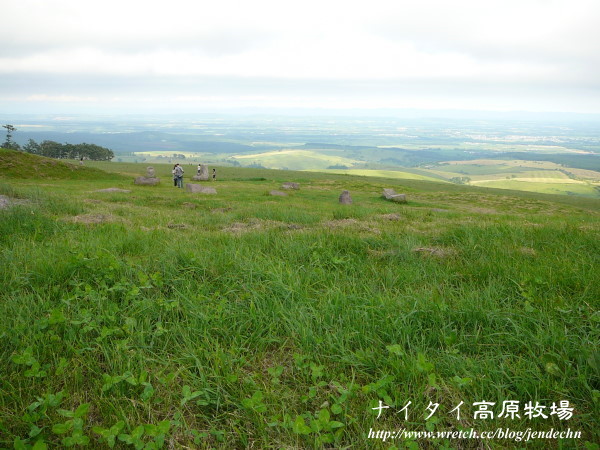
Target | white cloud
(439,45)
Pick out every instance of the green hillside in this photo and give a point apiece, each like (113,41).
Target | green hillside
(21,165)
(151,317)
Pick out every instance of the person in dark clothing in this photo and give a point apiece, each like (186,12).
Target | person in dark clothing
(179,175)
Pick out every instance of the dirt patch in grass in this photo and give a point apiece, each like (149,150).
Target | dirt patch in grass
(113,190)
(438,252)
(341,223)
(527,251)
(392,216)
(253,225)
(90,219)
(350,223)
(380,253)
(480,210)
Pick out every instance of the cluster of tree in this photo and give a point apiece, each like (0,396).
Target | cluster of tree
(338,166)
(460,180)
(53,149)
(9,143)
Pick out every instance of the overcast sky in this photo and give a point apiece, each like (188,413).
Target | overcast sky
(149,56)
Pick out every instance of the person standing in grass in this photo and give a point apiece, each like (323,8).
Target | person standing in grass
(174,176)
(179,175)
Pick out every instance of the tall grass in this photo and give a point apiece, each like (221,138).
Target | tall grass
(236,330)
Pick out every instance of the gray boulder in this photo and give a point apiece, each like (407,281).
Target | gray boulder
(290,185)
(146,181)
(278,193)
(345,198)
(150,172)
(199,189)
(202,175)
(391,194)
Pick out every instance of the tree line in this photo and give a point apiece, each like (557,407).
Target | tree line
(52,149)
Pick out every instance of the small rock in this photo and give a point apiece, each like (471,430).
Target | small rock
(6,202)
(278,193)
(290,185)
(345,198)
(150,172)
(390,194)
(146,181)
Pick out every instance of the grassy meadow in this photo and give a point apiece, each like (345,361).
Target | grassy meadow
(158,318)
(545,177)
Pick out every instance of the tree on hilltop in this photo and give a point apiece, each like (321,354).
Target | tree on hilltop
(8,143)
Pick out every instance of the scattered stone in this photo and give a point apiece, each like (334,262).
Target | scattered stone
(7,202)
(113,190)
(345,198)
(290,185)
(439,210)
(92,200)
(278,193)
(294,226)
(202,175)
(176,225)
(199,189)
(390,194)
(189,205)
(146,181)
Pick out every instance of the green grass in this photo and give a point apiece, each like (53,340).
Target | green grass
(295,159)
(559,188)
(381,174)
(163,318)
(21,165)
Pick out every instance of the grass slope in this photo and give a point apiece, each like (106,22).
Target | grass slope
(20,165)
(382,174)
(162,318)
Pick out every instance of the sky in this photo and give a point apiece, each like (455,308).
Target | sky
(129,56)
